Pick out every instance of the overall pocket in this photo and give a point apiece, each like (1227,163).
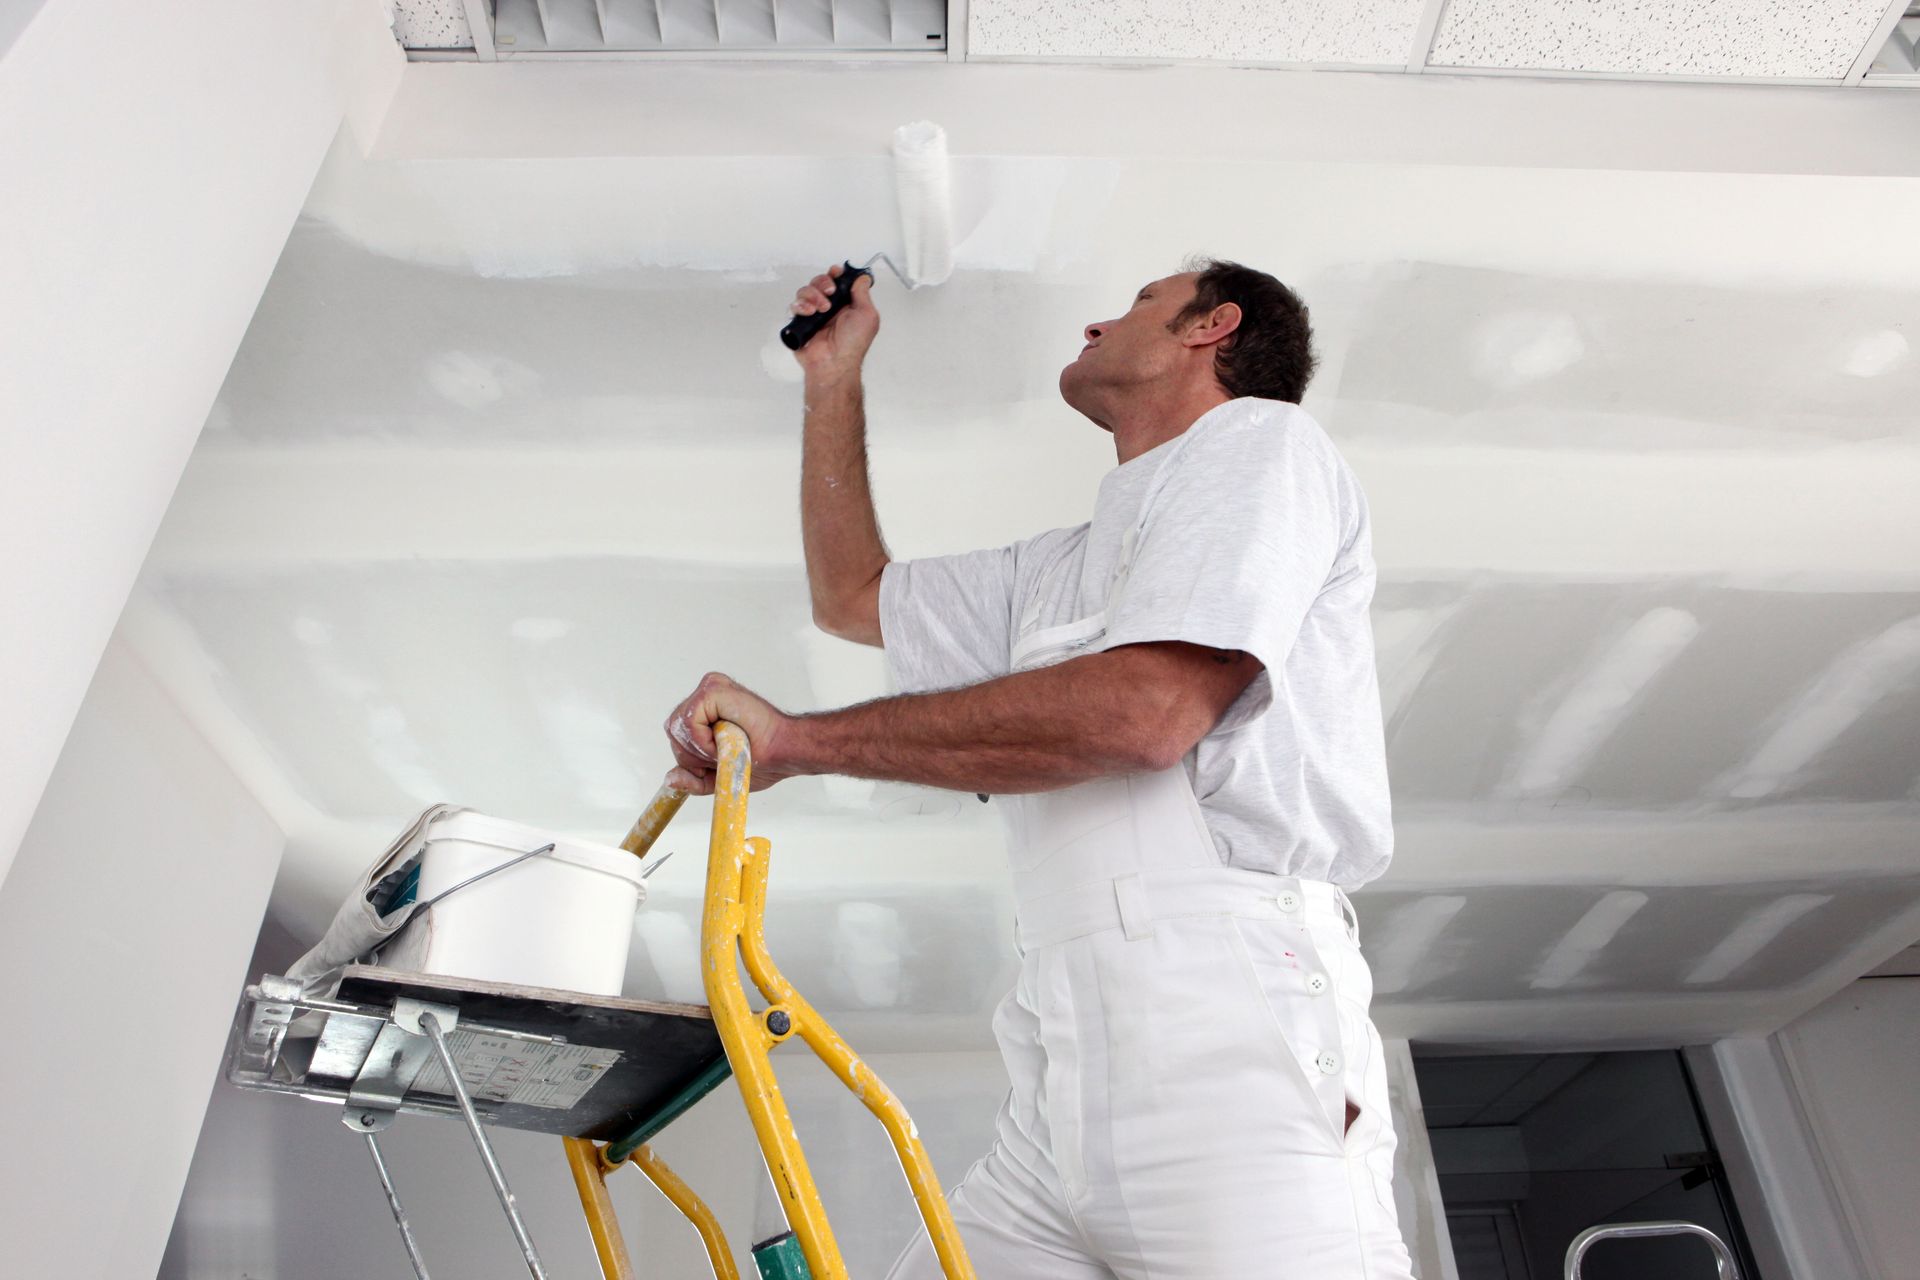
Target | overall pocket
(1304,1019)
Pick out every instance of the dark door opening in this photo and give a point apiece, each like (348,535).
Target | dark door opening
(1533,1149)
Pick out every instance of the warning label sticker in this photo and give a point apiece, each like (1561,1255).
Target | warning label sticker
(502,1070)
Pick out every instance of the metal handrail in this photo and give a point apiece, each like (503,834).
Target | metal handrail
(1723,1261)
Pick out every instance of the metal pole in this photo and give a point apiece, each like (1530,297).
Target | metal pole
(431,1025)
(393,1203)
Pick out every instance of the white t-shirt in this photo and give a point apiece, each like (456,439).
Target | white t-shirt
(1253,536)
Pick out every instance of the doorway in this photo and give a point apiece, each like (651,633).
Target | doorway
(1532,1149)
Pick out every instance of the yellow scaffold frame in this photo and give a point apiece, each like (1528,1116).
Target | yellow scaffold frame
(733,932)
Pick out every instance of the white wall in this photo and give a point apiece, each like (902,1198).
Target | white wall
(155,156)
(1855,1062)
(1818,1126)
(1416,1179)
(124,933)
(1788,1205)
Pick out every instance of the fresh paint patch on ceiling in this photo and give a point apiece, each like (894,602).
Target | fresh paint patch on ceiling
(1518,347)
(347,342)
(1877,354)
(1792,39)
(1371,32)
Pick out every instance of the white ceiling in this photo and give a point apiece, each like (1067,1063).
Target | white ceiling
(1639,442)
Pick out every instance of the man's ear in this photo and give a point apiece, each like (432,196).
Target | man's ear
(1215,327)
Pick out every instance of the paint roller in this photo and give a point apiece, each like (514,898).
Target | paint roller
(920,185)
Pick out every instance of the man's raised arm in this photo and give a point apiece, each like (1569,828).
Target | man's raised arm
(839,529)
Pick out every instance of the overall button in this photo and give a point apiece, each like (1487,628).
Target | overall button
(1317,983)
(1289,901)
(1328,1062)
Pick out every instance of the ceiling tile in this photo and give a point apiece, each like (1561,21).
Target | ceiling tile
(1801,39)
(432,24)
(1370,32)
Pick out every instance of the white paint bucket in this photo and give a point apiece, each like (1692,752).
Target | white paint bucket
(562,919)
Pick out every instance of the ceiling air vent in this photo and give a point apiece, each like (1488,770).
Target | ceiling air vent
(720,28)
(1898,61)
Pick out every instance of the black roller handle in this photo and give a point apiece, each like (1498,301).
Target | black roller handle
(800,330)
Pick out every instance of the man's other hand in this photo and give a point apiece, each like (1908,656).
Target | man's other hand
(690,734)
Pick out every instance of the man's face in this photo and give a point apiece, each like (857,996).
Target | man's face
(1135,348)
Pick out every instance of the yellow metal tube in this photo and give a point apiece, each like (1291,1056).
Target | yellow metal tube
(653,820)
(747,1042)
(689,1203)
(844,1063)
(590,1178)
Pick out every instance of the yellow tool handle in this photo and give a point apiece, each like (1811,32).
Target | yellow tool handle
(653,820)
(735,752)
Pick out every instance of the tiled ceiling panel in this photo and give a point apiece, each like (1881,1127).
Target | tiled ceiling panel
(432,24)
(1796,39)
(1370,32)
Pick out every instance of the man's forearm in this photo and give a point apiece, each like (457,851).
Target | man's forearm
(839,529)
(1033,731)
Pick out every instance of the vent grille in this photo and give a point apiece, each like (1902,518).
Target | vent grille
(1898,59)
(720,26)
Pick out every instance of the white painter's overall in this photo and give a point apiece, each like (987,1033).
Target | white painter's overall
(1183,1040)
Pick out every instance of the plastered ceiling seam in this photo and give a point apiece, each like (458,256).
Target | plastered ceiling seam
(1404,955)
(480,18)
(1601,697)
(1423,34)
(1868,952)
(1826,709)
(1751,936)
(1587,940)
(1882,30)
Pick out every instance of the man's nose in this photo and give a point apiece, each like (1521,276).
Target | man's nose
(1092,331)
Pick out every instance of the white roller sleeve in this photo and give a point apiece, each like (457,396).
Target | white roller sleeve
(920,181)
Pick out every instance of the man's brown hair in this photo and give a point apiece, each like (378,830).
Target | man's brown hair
(1271,354)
